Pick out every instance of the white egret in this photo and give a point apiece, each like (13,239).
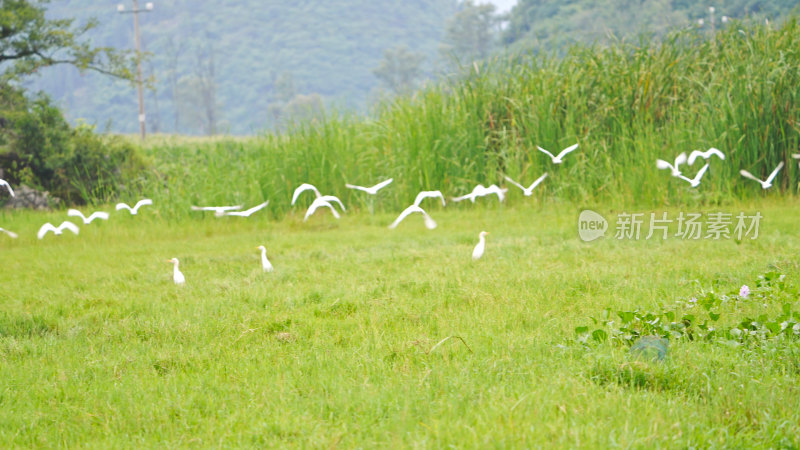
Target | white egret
(177,276)
(332,199)
(10,234)
(766,184)
(135,209)
(265,264)
(694,182)
(8,186)
(318,202)
(92,216)
(429,222)
(248,212)
(219,211)
(560,158)
(529,190)
(428,194)
(680,159)
(482,191)
(478,251)
(65,225)
(370,190)
(706,155)
(302,188)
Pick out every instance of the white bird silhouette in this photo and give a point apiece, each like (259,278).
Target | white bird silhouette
(219,211)
(482,191)
(318,202)
(332,199)
(135,209)
(558,159)
(265,264)
(705,155)
(10,234)
(8,186)
(680,159)
(92,216)
(796,155)
(177,276)
(370,190)
(529,190)
(478,251)
(766,184)
(248,212)
(429,222)
(694,182)
(428,194)
(302,188)
(57,230)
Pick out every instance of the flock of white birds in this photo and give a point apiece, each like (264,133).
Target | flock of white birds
(329,201)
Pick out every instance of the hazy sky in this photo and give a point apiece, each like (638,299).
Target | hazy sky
(502,5)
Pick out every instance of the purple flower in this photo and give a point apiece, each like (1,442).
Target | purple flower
(744,291)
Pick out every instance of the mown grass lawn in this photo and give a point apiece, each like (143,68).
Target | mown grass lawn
(342,344)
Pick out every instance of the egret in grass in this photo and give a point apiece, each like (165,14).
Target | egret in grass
(429,222)
(265,264)
(428,194)
(371,190)
(4,183)
(528,191)
(219,211)
(317,203)
(796,156)
(302,188)
(766,184)
(675,168)
(478,251)
(706,155)
(87,220)
(135,209)
(65,225)
(560,158)
(10,234)
(177,275)
(694,182)
(248,212)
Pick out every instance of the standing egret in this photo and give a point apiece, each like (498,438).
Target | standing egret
(7,186)
(560,158)
(219,211)
(135,209)
(10,234)
(57,230)
(706,155)
(429,222)
(529,190)
(370,190)
(766,184)
(92,216)
(428,194)
(318,202)
(478,251)
(265,264)
(694,182)
(302,188)
(177,276)
(680,159)
(248,212)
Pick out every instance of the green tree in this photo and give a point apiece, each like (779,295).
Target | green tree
(471,34)
(400,69)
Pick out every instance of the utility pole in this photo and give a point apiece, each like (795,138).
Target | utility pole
(135,11)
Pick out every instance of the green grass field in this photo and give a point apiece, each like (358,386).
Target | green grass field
(346,343)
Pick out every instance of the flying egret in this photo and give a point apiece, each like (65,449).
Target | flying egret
(92,216)
(318,202)
(478,251)
(265,264)
(560,158)
(694,182)
(705,155)
(680,159)
(768,182)
(8,186)
(428,194)
(370,190)
(248,212)
(529,190)
(219,211)
(429,222)
(177,276)
(135,209)
(332,199)
(57,230)
(482,191)
(302,188)
(10,234)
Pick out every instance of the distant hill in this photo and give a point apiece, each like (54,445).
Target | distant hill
(263,55)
